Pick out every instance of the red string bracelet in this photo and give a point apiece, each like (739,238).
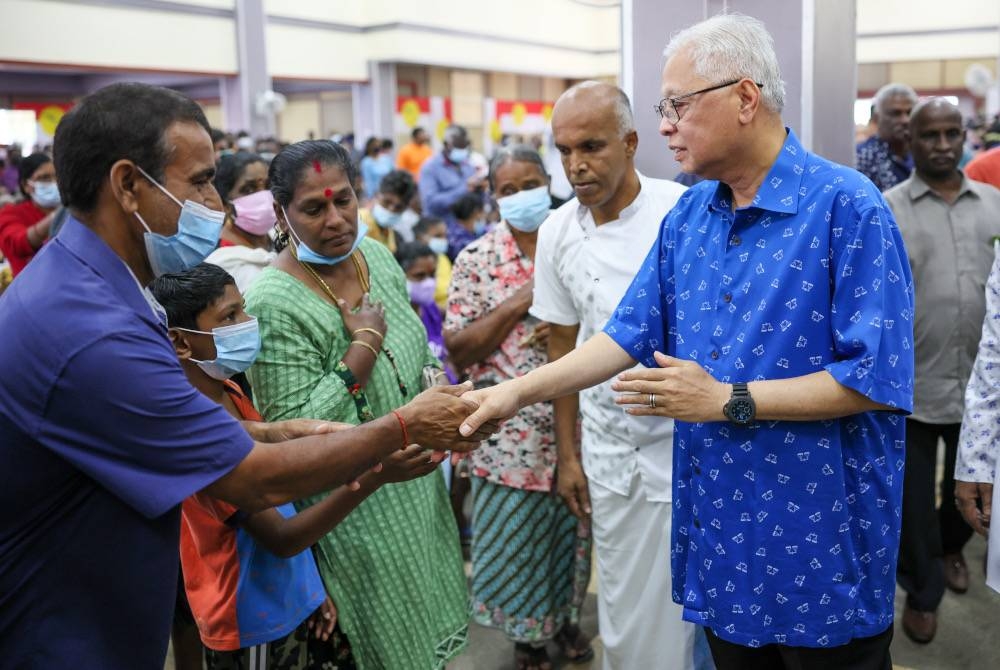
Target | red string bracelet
(402,424)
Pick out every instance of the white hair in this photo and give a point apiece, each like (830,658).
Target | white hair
(733,46)
(623,108)
(893,90)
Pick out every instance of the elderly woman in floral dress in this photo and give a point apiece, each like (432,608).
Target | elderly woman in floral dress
(530,555)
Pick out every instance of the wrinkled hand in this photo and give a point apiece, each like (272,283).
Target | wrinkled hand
(681,389)
(571,484)
(523,297)
(368,315)
(495,404)
(969,496)
(410,463)
(322,621)
(433,418)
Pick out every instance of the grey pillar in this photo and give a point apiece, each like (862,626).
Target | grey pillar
(374,103)
(238,94)
(815,43)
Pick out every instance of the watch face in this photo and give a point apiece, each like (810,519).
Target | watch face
(741,410)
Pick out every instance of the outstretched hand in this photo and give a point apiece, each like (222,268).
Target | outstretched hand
(493,405)
(433,419)
(677,389)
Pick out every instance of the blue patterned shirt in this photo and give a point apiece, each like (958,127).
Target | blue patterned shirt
(784,531)
(876,161)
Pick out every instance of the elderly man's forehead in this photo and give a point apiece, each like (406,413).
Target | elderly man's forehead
(678,76)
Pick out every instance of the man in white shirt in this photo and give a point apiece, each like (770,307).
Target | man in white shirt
(588,252)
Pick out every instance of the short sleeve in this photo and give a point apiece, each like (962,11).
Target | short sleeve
(552,300)
(123,413)
(638,324)
(872,307)
(466,297)
(980,435)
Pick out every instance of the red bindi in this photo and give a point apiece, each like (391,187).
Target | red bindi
(317,167)
(328,192)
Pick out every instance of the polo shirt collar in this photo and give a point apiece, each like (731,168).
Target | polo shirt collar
(92,251)
(779,192)
(918,188)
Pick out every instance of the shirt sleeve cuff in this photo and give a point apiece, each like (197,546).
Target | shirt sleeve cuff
(855,376)
(553,316)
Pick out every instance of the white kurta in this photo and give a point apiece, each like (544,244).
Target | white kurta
(581,273)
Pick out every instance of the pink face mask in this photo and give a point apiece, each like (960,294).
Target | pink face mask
(255,212)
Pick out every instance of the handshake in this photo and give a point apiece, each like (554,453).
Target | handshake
(452,418)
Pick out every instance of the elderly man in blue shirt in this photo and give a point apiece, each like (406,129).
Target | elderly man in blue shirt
(101,434)
(776,306)
(447,176)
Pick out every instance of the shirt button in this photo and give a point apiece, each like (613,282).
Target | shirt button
(735,241)
(728,297)
(697,470)
(637,448)
(597,279)
(697,524)
(715,355)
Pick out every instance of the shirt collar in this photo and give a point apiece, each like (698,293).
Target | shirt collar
(918,188)
(779,192)
(506,250)
(92,251)
(584,217)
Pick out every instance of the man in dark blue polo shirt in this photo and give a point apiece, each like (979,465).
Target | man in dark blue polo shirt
(101,435)
(774,314)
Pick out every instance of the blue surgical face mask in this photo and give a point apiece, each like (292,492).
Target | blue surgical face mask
(384,218)
(526,210)
(45,194)
(458,155)
(438,245)
(236,348)
(307,255)
(479,227)
(198,231)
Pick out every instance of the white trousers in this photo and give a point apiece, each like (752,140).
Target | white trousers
(640,626)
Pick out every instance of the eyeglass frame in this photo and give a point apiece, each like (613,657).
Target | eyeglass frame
(660,110)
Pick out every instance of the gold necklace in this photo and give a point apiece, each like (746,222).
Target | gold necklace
(365,286)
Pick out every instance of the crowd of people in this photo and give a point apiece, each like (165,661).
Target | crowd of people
(268,370)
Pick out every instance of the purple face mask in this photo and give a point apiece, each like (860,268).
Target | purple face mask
(422,292)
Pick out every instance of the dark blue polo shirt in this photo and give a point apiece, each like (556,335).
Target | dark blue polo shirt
(101,438)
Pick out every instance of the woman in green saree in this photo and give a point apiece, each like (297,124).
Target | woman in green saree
(341,342)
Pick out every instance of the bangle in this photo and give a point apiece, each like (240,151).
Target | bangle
(402,425)
(366,346)
(380,336)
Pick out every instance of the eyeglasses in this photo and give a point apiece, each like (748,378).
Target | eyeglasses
(672,114)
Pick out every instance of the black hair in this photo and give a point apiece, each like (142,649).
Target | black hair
(217,134)
(466,205)
(185,295)
(409,252)
(385,144)
(519,153)
(27,168)
(399,183)
(286,169)
(371,146)
(229,169)
(424,224)
(416,131)
(127,120)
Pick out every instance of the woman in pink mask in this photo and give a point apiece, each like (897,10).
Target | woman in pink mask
(245,247)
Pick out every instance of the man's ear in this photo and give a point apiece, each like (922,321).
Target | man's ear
(750,100)
(124,179)
(181,346)
(631,143)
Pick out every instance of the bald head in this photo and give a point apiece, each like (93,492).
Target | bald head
(934,108)
(597,96)
(936,138)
